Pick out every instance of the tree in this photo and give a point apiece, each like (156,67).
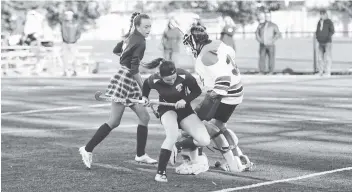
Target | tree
(242,12)
(343,6)
(87,11)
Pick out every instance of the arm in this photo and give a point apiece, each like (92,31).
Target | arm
(331,29)
(79,31)
(257,35)
(223,80)
(193,86)
(164,39)
(146,88)
(317,30)
(139,79)
(137,53)
(277,33)
(118,48)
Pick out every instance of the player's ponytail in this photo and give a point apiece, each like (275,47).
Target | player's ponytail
(153,64)
(134,15)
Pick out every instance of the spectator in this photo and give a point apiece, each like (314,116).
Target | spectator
(267,33)
(227,32)
(324,32)
(33,29)
(70,32)
(171,41)
(15,37)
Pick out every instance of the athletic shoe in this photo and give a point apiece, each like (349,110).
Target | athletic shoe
(249,166)
(161,177)
(145,159)
(173,156)
(193,168)
(87,157)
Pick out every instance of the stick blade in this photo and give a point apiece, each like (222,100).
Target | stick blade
(97,96)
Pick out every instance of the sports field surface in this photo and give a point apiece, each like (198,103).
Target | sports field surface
(296,129)
(295,53)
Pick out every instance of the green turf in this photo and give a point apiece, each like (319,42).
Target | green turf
(296,53)
(288,125)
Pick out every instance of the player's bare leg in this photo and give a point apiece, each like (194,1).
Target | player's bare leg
(199,134)
(104,130)
(232,140)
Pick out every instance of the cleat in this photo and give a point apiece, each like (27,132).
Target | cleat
(87,157)
(161,177)
(235,166)
(225,167)
(249,166)
(173,156)
(145,159)
(193,168)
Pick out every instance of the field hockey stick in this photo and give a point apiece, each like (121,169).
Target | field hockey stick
(153,103)
(100,97)
(173,23)
(156,102)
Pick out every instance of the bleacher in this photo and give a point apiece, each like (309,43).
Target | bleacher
(41,61)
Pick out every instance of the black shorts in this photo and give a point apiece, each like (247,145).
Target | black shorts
(224,112)
(181,113)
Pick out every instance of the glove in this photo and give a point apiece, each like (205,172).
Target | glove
(180,104)
(145,101)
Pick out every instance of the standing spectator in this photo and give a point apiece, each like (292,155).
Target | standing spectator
(267,33)
(324,32)
(171,41)
(70,32)
(227,32)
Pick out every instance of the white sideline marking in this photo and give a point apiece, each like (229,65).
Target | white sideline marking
(298,99)
(107,104)
(112,167)
(285,180)
(53,109)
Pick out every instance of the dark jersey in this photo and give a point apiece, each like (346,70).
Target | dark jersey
(185,87)
(132,51)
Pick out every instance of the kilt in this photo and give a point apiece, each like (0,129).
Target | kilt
(123,85)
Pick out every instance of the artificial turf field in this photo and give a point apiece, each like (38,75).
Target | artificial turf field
(296,129)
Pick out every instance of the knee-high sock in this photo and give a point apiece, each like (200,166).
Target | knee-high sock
(187,143)
(200,151)
(142,135)
(163,159)
(99,136)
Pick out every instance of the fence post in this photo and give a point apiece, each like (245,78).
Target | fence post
(314,55)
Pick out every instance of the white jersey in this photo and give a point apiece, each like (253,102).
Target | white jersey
(216,68)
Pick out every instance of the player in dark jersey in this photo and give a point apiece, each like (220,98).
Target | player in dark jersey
(126,84)
(180,87)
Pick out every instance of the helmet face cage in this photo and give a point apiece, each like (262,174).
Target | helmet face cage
(196,35)
(188,40)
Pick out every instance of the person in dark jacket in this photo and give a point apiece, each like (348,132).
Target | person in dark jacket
(267,34)
(324,32)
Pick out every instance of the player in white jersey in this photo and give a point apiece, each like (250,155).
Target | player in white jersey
(216,67)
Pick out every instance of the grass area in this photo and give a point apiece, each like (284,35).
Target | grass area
(290,126)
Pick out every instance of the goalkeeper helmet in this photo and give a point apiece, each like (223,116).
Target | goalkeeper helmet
(195,38)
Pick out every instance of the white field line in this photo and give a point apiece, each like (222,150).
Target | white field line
(285,180)
(54,109)
(107,104)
